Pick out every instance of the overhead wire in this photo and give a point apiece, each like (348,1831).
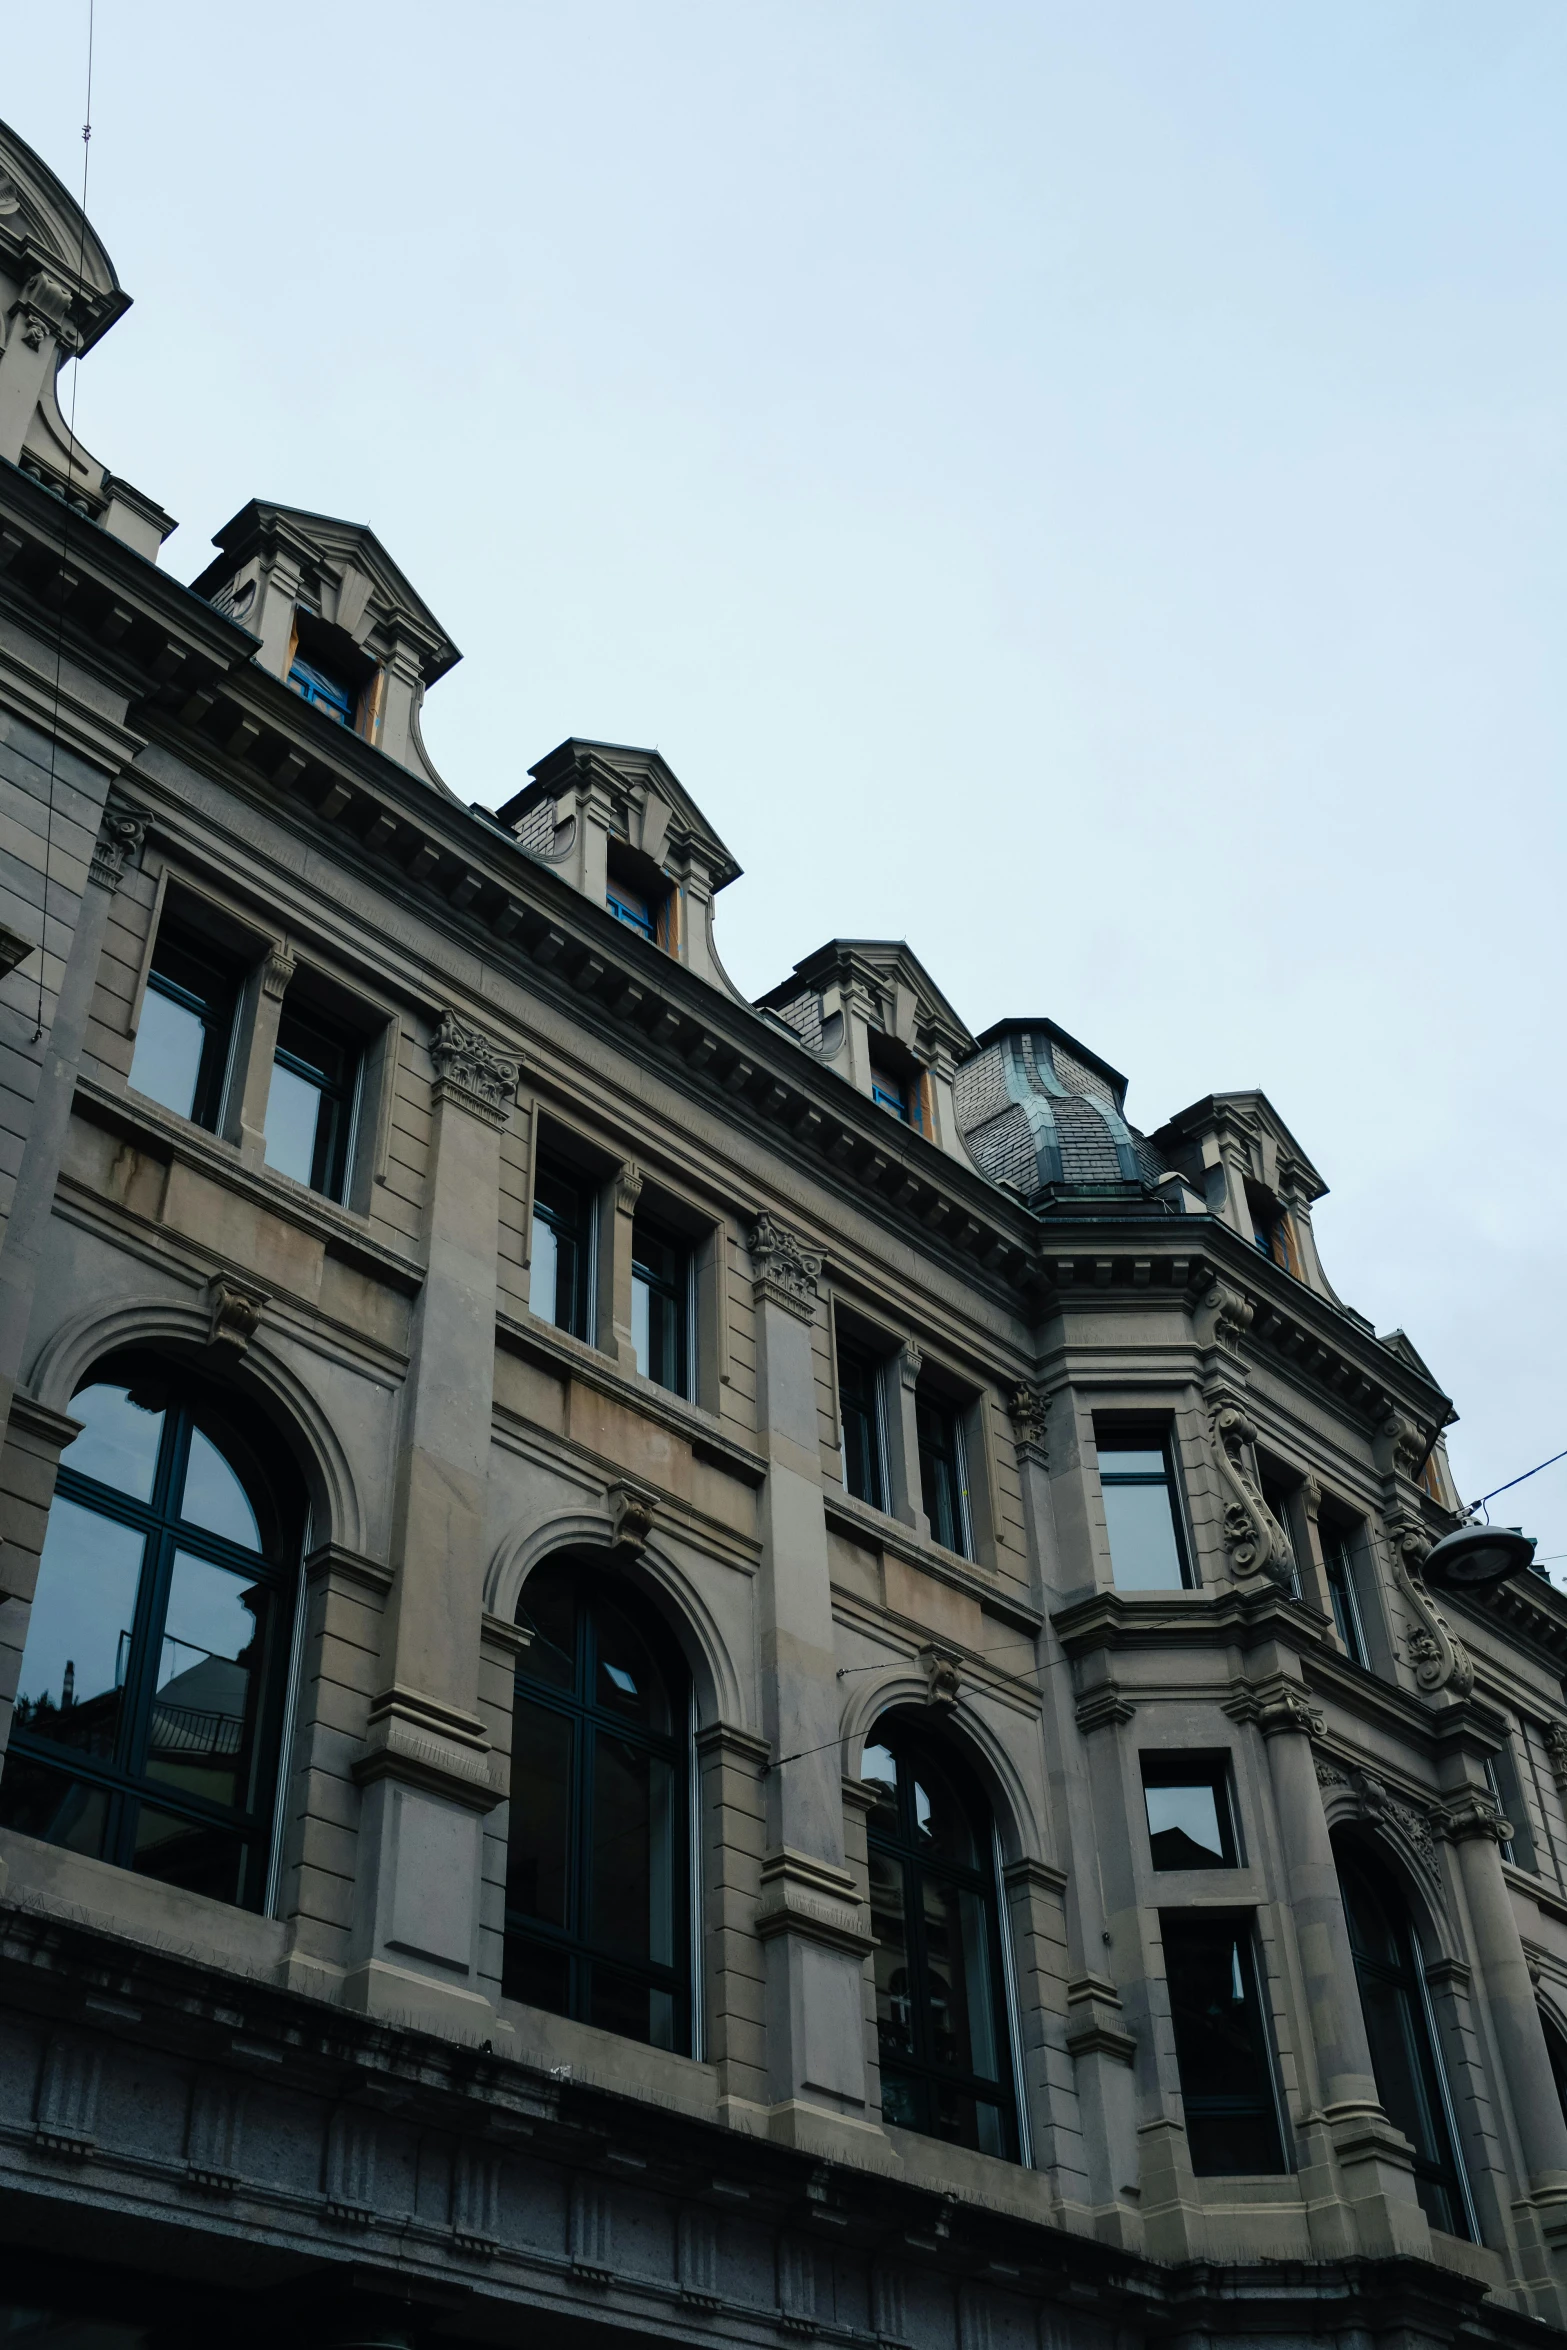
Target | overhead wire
(65,543)
(1523,1480)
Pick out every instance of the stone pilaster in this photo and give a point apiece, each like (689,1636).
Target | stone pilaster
(809,1914)
(427,1771)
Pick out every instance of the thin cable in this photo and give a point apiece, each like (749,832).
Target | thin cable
(65,543)
(800,1753)
(1523,1480)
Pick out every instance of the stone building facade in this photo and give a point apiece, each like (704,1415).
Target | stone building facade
(669,1667)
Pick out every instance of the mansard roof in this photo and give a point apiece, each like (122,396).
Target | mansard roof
(907,1000)
(629,774)
(342,563)
(42,227)
(1043,1115)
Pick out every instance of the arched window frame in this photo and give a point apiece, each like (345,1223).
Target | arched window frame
(584,1955)
(911,1740)
(1440,2169)
(125,1778)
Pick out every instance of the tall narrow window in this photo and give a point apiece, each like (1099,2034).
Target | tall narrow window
(943,1480)
(148,1714)
(311,1102)
(1210,1968)
(187,1027)
(597,1921)
(940,2006)
(661,1306)
(560,1253)
(1147,1552)
(1191,1814)
(1393,1996)
(1338,1564)
(859,1416)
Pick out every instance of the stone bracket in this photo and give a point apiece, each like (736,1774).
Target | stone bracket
(813,1899)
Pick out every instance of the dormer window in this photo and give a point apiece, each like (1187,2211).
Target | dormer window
(629,906)
(322,692)
(898,1088)
(1270,1229)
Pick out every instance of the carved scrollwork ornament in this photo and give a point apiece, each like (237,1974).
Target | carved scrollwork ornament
(1419,1827)
(44,312)
(1255,1540)
(471,1070)
(117,849)
(1477,1814)
(1026,1411)
(1554,1739)
(1224,1315)
(942,1684)
(234,1310)
(1439,1658)
(785,1269)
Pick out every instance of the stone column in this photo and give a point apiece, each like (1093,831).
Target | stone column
(427,1770)
(118,844)
(261,1008)
(809,1916)
(1373,2159)
(1478,1830)
(617,1216)
(903,1443)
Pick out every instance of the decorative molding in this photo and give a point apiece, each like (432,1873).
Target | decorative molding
(1276,1705)
(43,313)
(214,2132)
(786,1271)
(1439,1658)
(54,1430)
(66,2116)
(476,2196)
(910,1364)
(628,1186)
(1553,1737)
(1101,1706)
(591,2231)
(1095,2025)
(1476,1813)
(117,849)
(421,1743)
(276,972)
(234,1310)
(632,1510)
(1401,1447)
(349,2180)
(472,1071)
(943,1686)
(1223,1317)
(800,1895)
(697,2258)
(1255,1540)
(1026,1411)
(1368,1797)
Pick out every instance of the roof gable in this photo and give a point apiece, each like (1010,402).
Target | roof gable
(358,583)
(908,1003)
(640,783)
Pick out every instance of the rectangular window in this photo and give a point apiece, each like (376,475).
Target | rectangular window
(897,1090)
(560,1256)
(943,1483)
(1136,1476)
(311,1103)
(1339,1566)
(1221,2046)
(859,1418)
(1502,1779)
(1191,1817)
(631,907)
(661,1306)
(187,1029)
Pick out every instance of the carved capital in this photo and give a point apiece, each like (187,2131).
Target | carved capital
(1026,1411)
(1255,1540)
(472,1072)
(628,1187)
(1477,1814)
(1554,1736)
(910,1364)
(234,1311)
(1400,1447)
(1276,1706)
(786,1271)
(942,1685)
(117,849)
(44,312)
(276,972)
(1223,1317)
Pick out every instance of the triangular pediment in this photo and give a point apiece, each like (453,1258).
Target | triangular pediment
(344,566)
(906,1000)
(644,792)
(1251,1116)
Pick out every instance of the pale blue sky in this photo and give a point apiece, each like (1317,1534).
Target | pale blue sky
(1079,487)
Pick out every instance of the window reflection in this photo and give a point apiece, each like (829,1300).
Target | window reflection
(597,1857)
(157,1642)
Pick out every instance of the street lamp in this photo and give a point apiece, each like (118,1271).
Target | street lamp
(1478,1555)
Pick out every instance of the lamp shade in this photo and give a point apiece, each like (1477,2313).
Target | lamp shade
(1477,1555)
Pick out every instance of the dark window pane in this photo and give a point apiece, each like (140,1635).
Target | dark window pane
(1144,1555)
(1387,1961)
(962,2025)
(537,1975)
(294,1106)
(41,1802)
(902,2101)
(170,1045)
(633,1851)
(894,1986)
(1226,2088)
(636,2010)
(331,695)
(79,1633)
(549,1608)
(538,1857)
(859,1414)
(558,1255)
(631,907)
(965,2120)
(203,1714)
(631,1683)
(940,1472)
(119,1440)
(201,1858)
(659,1283)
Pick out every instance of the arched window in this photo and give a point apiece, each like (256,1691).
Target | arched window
(597,1922)
(1396,2004)
(149,1713)
(940,1999)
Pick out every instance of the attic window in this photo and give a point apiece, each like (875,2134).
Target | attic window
(1270,1230)
(322,692)
(898,1089)
(629,906)
(638,894)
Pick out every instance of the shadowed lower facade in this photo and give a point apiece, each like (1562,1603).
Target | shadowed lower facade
(672,1667)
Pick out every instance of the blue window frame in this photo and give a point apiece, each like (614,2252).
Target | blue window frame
(632,908)
(322,691)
